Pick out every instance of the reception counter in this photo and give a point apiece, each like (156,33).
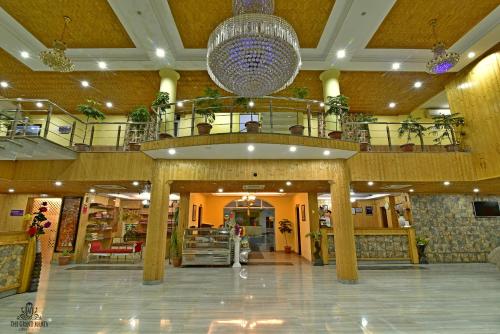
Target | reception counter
(378,244)
(16,261)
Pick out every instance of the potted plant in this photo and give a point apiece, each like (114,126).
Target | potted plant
(139,115)
(299,93)
(422,242)
(449,124)
(175,253)
(285,227)
(338,106)
(409,127)
(364,135)
(91,111)
(207,108)
(316,238)
(65,258)
(162,102)
(251,126)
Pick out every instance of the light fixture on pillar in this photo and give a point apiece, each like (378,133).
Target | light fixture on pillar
(442,61)
(146,192)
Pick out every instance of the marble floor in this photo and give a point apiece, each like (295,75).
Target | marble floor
(298,298)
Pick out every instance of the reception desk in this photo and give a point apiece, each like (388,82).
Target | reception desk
(379,244)
(16,261)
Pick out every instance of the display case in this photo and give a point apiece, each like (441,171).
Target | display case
(206,246)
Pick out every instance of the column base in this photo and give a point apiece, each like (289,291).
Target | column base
(348,281)
(152,282)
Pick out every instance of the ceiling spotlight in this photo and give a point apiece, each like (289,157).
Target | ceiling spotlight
(171,151)
(341,54)
(476,190)
(396,66)
(85,83)
(92,190)
(352,193)
(417,84)
(293,148)
(220,190)
(160,53)
(251,104)
(288,183)
(282,190)
(250,148)
(44,195)
(4,84)
(471,54)
(411,190)
(11,190)
(39,104)
(446,183)
(58,183)
(109,104)
(135,183)
(322,104)
(180,104)
(370,183)
(102,65)
(326,153)
(392,105)
(25,54)
(353,200)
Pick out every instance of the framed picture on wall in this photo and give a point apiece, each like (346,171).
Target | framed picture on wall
(303,212)
(369,210)
(68,224)
(193,213)
(358,210)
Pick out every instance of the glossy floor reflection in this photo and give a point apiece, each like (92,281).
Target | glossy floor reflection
(265,299)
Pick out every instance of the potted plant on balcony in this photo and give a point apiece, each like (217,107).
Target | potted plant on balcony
(316,238)
(364,134)
(139,115)
(162,103)
(285,227)
(299,93)
(448,124)
(338,106)
(207,108)
(90,110)
(65,258)
(408,128)
(251,126)
(422,242)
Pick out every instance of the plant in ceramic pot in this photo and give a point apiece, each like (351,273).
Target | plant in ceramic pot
(316,238)
(244,103)
(339,107)
(299,93)
(175,247)
(138,115)
(90,110)
(207,108)
(285,227)
(162,103)
(422,242)
(364,132)
(410,128)
(449,125)
(65,258)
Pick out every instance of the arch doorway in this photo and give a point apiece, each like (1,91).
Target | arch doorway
(257,218)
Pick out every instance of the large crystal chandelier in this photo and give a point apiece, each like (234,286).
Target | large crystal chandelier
(56,58)
(253,53)
(442,61)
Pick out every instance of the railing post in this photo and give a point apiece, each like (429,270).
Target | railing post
(91,135)
(193,115)
(72,136)
(118,137)
(47,122)
(271,114)
(231,120)
(16,120)
(309,120)
(388,136)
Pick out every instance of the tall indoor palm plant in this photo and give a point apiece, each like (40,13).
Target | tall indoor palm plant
(338,106)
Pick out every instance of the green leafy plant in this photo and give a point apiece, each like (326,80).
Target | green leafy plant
(140,115)
(285,227)
(409,127)
(338,106)
(209,106)
(300,92)
(315,236)
(449,125)
(162,102)
(422,240)
(66,253)
(90,109)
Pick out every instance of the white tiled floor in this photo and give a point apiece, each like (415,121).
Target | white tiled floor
(451,298)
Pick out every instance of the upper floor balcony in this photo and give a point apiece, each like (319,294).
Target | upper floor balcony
(27,124)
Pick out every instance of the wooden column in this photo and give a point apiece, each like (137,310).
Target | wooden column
(183,218)
(392,212)
(312,199)
(345,250)
(156,238)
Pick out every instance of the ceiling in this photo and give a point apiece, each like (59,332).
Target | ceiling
(126,33)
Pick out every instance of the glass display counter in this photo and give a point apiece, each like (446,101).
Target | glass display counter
(206,246)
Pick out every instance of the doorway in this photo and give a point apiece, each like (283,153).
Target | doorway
(383,214)
(297,219)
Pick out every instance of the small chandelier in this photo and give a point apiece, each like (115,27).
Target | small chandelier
(253,53)
(145,195)
(56,58)
(442,61)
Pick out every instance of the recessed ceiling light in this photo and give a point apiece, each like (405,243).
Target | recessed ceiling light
(353,200)
(392,105)
(109,104)
(160,53)
(293,148)
(417,84)
(85,83)
(322,104)
(39,104)
(102,65)
(44,195)
(326,153)
(220,190)
(251,104)
(411,190)
(446,183)
(4,84)
(135,183)
(341,54)
(471,54)
(92,190)
(250,148)
(11,190)
(288,183)
(58,183)
(171,151)
(352,193)
(25,54)
(282,190)
(370,183)
(396,66)
(476,190)
(180,104)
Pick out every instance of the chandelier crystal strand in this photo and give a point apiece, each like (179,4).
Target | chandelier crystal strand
(253,53)
(56,58)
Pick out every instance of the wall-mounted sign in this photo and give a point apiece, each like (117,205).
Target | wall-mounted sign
(16,213)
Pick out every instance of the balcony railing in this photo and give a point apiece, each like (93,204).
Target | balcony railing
(270,115)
